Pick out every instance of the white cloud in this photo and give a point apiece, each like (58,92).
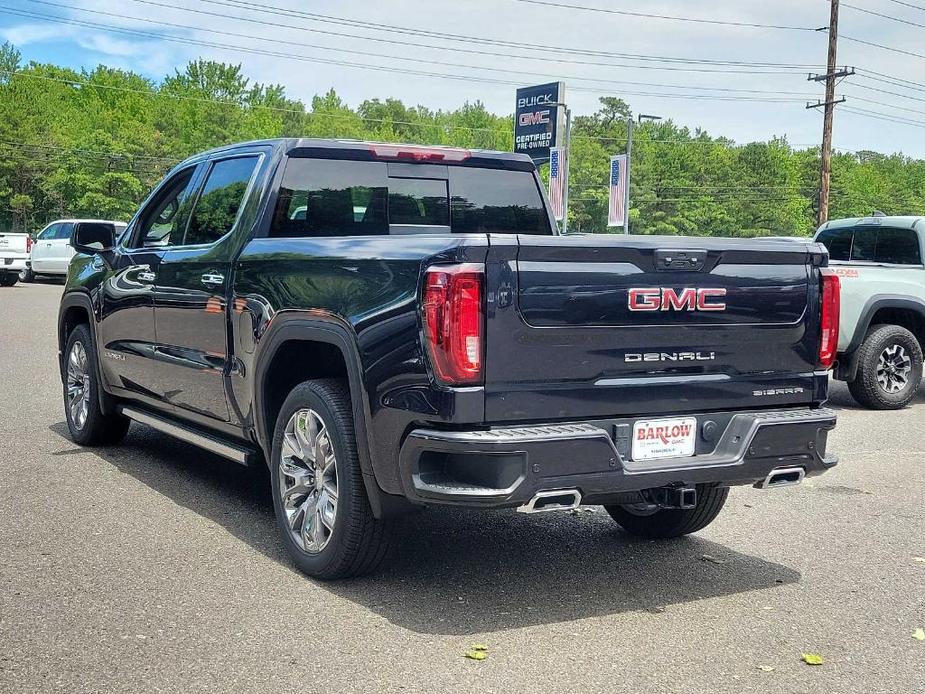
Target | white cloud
(25,34)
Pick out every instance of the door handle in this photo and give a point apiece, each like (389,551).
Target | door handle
(145,274)
(211,278)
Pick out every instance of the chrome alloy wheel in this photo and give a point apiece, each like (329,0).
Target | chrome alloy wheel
(308,481)
(893,369)
(78,385)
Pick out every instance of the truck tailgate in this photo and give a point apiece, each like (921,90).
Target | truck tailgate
(604,326)
(13,245)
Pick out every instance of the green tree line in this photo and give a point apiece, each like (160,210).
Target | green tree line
(94,142)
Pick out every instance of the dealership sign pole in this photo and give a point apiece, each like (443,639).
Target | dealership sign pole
(541,123)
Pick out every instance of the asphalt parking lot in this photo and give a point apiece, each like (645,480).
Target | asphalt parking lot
(154,567)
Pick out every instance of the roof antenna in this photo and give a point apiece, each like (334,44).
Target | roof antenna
(878,213)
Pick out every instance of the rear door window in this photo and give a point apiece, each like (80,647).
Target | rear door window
(838,242)
(326,197)
(898,246)
(218,205)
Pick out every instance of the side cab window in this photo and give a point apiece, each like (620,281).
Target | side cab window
(220,201)
(162,222)
(48,233)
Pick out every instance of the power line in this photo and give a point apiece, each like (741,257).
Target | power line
(173,25)
(887,91)
(647,15)
(885,16)
(380,68)
(885,117)
(468,39)
(892,79)
(882,47)
(908,4)
(87,151)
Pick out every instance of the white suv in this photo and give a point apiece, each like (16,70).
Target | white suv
(881,263)
(52,251)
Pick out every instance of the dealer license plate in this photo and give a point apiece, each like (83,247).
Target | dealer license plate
(664,438)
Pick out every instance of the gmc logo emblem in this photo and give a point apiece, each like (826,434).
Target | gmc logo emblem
(668,299)
(534,118)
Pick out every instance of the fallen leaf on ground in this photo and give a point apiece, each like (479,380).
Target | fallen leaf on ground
(811,658)
(713,560)
(919,634)
(477,651)
(766,668)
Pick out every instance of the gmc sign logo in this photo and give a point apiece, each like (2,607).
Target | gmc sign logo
(669,299)
(534,118)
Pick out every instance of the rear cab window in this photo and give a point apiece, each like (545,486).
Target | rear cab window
(328,197)
(873,244)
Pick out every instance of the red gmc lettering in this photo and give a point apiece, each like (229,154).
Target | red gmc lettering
(670,299)
(645,299)
(534,118)
(704,294)
(686,300)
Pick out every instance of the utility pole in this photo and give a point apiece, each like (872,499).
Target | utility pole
(832,74)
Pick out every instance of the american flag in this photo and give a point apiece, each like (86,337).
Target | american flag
(557,182)
(617,210)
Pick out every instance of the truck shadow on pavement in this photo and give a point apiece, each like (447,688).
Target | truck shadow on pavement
(459,572)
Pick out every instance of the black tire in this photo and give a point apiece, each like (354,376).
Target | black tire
(8,279)
(672,522)
(358,542)
(97,429)
(26,276)
(866,388)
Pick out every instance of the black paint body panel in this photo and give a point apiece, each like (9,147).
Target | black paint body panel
(557,329)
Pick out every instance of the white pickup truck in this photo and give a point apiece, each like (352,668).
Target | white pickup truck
(880,262)
(14,252)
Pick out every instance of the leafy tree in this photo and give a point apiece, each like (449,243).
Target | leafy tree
(93,142)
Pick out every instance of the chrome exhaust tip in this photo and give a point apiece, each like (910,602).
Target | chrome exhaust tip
(782,477)
(552,500)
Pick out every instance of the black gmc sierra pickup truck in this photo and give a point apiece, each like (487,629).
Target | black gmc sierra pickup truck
(392,326)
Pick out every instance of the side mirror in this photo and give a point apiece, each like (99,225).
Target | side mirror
(93,237)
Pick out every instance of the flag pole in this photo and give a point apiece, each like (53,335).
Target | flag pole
(626,174)
(568,156)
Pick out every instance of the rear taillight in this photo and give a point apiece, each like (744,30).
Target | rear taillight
(829,314)
(453,322)
(28,244)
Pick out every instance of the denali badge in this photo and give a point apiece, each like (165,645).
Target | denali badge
(669,299)
(635,357)
(114,355)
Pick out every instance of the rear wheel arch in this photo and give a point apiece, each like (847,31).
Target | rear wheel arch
(903,311)
(318,348)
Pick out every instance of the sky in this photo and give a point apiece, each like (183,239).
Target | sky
(576,46)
